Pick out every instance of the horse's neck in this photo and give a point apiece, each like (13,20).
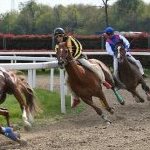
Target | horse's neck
(74,70)
(127,65)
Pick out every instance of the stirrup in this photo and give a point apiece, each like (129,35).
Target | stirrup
(75,103)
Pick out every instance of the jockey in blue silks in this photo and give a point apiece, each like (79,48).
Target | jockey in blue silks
(111,41)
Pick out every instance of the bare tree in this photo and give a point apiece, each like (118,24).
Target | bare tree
(105,2)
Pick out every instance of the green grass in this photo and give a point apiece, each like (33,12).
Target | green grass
(49,103)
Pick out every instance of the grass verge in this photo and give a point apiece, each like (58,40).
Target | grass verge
(49,104)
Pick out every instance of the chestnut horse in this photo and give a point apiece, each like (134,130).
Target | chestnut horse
(12,83)
(83,82)
(129,74)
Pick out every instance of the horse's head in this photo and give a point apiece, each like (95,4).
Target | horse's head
(62,55)
(120,50)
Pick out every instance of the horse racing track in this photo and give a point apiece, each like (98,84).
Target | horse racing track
(130,129)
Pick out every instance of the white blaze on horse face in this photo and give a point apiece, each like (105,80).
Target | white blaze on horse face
(118,55)
(60,53)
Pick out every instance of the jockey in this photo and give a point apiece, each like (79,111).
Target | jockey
(8,132)
(111,41)
(75,47)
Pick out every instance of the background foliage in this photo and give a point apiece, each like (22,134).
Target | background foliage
(33,18)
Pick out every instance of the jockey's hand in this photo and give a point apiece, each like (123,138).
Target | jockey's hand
(127,49)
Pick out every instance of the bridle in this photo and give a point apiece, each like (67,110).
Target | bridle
(120,54)
(62,56)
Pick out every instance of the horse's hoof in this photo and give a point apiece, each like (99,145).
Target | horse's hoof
(137,100)
(148,96)
(111,110)
(141,101)
(122,103)
(27,126)
(108,122)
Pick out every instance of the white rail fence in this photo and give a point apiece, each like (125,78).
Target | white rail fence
(31,67)
(41,63)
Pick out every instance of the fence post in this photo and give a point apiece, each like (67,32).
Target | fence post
(65,83)
(34,77)
(52,79)
(30,77)
(62,91)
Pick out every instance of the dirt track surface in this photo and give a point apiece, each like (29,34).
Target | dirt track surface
(130,129)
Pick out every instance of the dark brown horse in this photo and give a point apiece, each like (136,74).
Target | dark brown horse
(12,83)
(83,82)
(129,74)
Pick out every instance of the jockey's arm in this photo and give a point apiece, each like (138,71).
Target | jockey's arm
(109,49)
(126,42)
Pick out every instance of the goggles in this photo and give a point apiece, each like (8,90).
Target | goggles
(59,35)
(108,33)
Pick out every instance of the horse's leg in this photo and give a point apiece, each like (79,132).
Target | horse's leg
(119,97)
(24,107)
(136,95)
(29,96)
(104,102)
(5,113)
(145,88)
(89,101)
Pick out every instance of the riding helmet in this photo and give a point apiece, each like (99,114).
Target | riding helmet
(109,30)
(59,31)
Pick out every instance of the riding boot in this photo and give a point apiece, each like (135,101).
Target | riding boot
(76,101)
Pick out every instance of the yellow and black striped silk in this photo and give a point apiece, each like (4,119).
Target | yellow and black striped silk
(73,45)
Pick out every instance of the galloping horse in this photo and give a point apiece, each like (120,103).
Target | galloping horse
(83,82)
(12,83)
(129,74)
